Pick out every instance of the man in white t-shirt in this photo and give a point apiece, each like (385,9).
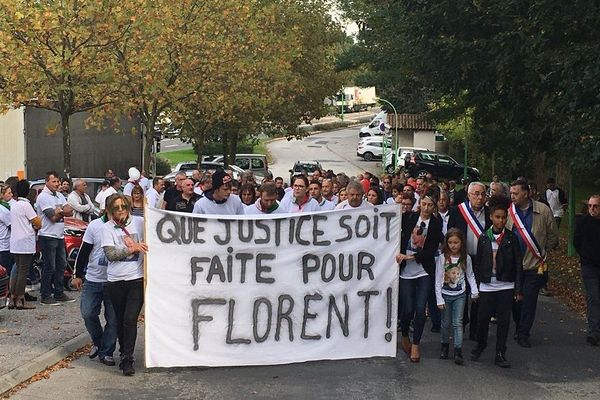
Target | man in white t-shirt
(92,263)
(53,207)
(314,189)
(267,202)
(154,193)
(114,187)
(134,179)
(556,199)
(219,199)
(355,199)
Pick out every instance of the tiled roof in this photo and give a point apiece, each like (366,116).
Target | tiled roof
(410,121)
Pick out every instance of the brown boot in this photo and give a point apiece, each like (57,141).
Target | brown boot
(406,345)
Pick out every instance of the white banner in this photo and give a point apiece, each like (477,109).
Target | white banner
(253,290)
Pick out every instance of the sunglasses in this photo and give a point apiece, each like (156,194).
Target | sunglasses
(119,207)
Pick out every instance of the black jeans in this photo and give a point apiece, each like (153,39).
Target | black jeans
(494,303)
(127,298)
(524,311)
(590,275)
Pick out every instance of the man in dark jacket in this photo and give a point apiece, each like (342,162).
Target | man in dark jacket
(587,243)
(472,217)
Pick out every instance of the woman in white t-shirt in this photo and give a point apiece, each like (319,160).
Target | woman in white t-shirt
(421,236)
(24,223)
(124,247)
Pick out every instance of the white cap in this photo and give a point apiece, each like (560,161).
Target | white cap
(134,173)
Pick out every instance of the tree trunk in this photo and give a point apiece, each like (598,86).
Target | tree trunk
(225,136)
(148,143)
(539,170)
(233,142)
(66,136)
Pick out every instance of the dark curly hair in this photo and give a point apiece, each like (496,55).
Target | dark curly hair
(498,203)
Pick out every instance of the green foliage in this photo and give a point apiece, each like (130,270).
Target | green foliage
(527,70)
(163,167)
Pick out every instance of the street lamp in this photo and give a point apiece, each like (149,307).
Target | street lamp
(395,156)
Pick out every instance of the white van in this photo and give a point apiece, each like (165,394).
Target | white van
(378,126)
(402,152)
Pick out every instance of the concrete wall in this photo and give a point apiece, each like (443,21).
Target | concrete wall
(12,143)
(92,150)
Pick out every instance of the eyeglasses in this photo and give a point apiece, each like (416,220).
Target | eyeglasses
(387,182)
(120,207)
(477,194)
(593,205)
(299,186)
(421,228)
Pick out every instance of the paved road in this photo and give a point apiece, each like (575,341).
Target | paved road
(335,150)
(173,144)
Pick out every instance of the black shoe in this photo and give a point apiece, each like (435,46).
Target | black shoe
(444,351)
(29,297)
(593,340)
(436,329)
(49,301)
(108,360)
(524,342)
(458,357)
(63,298)
(476,352)
(128,368)
(93,352)
(501,360)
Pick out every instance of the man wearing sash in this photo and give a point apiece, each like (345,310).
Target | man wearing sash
(533,224)
(472,217)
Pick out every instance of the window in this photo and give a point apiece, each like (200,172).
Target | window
(258,163)
(443,159)
(243,163)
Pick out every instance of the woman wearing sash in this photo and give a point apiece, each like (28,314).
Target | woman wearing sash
(421,236)
(122,241)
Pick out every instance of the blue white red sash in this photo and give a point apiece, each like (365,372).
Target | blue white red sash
(526,235)
(469,216)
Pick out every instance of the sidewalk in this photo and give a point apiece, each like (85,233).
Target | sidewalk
(32,340)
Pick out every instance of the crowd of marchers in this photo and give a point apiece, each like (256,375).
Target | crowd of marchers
(468,258)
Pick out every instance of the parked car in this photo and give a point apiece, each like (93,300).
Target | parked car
(401,154)
(377,126)
(3,288)
(300,166)
(372,149)
(440,165)
(256,163)
(212,167)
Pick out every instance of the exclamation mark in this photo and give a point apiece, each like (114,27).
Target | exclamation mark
(388,321)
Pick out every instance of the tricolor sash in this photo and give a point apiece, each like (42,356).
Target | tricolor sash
(469,216)
(526,235)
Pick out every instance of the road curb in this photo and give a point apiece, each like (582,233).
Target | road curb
(40,363)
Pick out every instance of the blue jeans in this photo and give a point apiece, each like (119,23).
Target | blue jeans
(452,316)
(53,270)
(413,300)
(7,260)
(524,311)
(590,275)
(92,298)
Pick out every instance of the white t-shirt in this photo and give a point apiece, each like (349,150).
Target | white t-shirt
(326,205)
(22,235)
(344,204)
(4,228)
(255,209)
(132,267)
(152,197)
(413,269)
(233,206)
(553,198)
(451,282)
(495,285)
(97,263)
(289,205)
(130,185)
(109,191)
(49,201)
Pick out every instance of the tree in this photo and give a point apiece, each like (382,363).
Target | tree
(57,56)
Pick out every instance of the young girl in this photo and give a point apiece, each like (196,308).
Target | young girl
(453,266)
(499,270)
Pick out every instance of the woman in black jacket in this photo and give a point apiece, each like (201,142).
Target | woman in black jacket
(499,271)
(421,237)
